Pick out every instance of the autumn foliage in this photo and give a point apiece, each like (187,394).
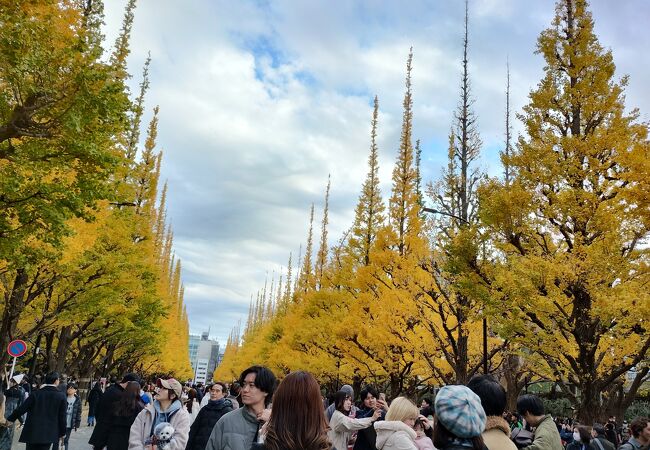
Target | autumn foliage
(87,270)
(552,256)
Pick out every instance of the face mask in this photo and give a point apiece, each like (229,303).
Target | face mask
(576,436)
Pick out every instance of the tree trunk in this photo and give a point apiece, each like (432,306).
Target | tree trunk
(62,349)
(13,308)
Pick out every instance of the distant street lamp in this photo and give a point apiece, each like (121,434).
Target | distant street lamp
(485,325)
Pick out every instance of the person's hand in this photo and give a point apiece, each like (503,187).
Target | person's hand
(376,415)
(382,404)
(265,415)
(425,422)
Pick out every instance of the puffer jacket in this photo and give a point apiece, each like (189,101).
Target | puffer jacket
(205,421)
(142,427)
(497,434)
(395,435)
(76,412)
(236,430)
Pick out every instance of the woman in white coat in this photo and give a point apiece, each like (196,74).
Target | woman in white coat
(342,426)
(396,432)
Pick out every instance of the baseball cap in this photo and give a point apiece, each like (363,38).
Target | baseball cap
(172,384)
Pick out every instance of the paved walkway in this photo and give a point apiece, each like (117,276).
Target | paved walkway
(78,440)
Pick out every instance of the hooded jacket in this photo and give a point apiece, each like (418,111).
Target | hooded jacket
(497,434)
(236,430)
(395,435)
(143,426)
(205,421)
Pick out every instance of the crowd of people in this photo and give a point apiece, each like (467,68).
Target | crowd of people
(257,413)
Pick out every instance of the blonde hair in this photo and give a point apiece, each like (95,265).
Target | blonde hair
(402,409)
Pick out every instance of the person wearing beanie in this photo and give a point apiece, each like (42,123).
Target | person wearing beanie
(342,425)
(493,398)
(531,408)
(329,412)
(460,419)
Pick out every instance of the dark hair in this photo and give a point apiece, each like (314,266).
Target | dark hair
(224,388)
(97,385)
(491,393)
(339,400)
(129,402)
(191,395)
(442,438)
(298,420)
(429,400)
(51,377)
(368,390)
(235,387)
(264,380)
(71,386)
(585,434)
(637,425)
(530,404)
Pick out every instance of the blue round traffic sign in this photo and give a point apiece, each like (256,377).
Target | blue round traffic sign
(17,348)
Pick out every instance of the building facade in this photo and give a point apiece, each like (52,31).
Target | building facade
(204,356)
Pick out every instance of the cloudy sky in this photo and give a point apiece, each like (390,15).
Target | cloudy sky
(260,100)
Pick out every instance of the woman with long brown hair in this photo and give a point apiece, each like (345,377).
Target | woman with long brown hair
(124,412)
(297,417)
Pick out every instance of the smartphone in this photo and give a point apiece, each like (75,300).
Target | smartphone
(382,396)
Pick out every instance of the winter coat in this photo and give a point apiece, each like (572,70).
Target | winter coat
(395,435)
(205,421)
(604,443)
(366,438)
(236,430)
(104,411)
(195,410)
(142,428)
(94,397)
(76,412)
(424,443)
(14,397)
(119,429)
(341,428)
(546,436)
(577,445)
(45,422)
(497,434)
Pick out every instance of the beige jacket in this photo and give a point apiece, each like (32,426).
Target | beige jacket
(342,426)
(497,434)
(395,435)
(141,429)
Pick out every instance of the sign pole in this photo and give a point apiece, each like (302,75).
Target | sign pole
(13,366)
(16,349)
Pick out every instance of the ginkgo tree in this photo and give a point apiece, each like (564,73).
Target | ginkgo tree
(570,224)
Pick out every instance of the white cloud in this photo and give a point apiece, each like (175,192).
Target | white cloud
(260,101)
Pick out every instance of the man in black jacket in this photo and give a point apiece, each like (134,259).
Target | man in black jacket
(106,408)
(45,424)
(208,416)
